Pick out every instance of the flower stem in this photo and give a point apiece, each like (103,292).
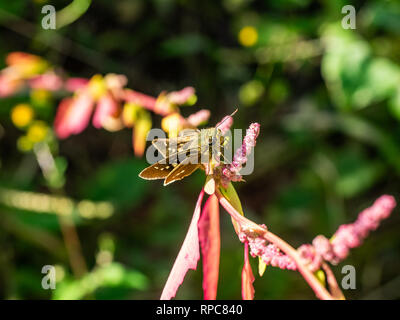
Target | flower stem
(313,282)
(247,225)
(332,283)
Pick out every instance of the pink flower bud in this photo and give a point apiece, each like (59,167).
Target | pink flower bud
(198,118)
(240,157)
(225,124)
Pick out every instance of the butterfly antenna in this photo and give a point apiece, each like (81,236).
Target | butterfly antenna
(226,118)
(234,112)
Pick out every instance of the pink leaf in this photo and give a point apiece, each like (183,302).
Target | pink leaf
(74,84)
(106,107)
(209,237)
(60,124)
(8,85)
(247,276)
(187,257)
(139,98)
(181,96)
(73,115)
(48,81)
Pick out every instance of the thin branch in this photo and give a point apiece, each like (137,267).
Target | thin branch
(332,283)
(252,228)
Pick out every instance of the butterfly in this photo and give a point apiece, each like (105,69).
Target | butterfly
(183,155)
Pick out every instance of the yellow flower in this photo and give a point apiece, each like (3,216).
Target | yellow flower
(22,115)
(140,131)
(37,131)
(97,86)
(130,113)
(248,36)
(172,124)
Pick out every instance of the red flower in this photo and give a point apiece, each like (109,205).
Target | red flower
(73,115)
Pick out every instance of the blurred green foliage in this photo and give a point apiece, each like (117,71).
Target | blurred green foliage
(327,99)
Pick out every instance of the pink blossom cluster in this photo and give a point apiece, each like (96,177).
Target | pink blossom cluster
(270,253)
(231,172)
(348,236)
(182,96)
(198,118)
(73,114)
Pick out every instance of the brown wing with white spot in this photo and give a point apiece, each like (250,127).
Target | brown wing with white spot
(156,171)
(181,171)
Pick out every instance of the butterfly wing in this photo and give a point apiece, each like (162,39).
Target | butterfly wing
(189,165)
(157,171)
(181,171)
(164,167)
(172,167)
(161,145)
(188,133)
(171,147)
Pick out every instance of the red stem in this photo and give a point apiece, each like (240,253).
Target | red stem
(332,283)
(249,226)
(313,282)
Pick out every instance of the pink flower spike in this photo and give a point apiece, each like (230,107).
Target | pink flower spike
(181,96)
(323,247)
(209,236)
(232,172)
(247,276)
(187,257)
(198,118)
(347,236)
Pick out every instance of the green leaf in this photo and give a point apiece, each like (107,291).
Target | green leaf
(231,195)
